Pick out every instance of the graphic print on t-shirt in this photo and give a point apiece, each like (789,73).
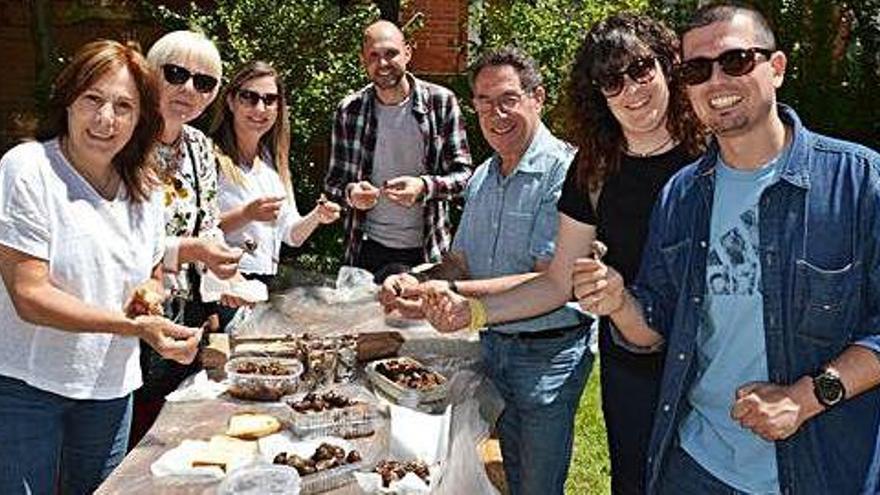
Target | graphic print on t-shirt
(732,264)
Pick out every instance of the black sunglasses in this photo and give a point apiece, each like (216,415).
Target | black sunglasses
(178,75)
(735,62)
(252,98)
(641,70)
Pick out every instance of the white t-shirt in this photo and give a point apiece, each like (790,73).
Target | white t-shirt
(261,180)
(97,250)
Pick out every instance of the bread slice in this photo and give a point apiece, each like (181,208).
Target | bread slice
(224,451)
(251,426)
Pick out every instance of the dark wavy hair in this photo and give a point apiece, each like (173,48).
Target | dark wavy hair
(611,45)
(135,162)
(276,140)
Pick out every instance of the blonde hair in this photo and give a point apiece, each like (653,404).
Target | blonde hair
(177,44)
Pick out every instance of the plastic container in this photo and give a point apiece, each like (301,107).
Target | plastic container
(404,395)
(262,387)
(321,481)
(324,481)
(357,420)
(262,479)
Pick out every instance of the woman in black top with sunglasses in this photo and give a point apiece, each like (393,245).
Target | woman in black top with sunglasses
(634,129)
(189,68)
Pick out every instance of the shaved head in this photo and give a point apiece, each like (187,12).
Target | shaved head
(385,56)
(382,31)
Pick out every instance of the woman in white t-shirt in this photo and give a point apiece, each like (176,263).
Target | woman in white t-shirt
(80,230)
(251,132)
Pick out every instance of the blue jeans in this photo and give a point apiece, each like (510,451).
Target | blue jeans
(541,382)
(682,475)
(44,435)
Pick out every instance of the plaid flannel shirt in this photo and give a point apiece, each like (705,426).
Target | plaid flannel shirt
(447,160)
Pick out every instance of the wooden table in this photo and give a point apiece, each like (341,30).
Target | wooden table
(302,309)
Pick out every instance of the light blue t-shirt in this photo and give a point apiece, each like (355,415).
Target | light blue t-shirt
(731,349)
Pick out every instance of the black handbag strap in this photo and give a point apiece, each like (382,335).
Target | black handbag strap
(200,215)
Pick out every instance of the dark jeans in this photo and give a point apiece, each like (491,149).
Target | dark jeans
(44,436)
(382,261)
(630,388)
(541,382)
(684,476)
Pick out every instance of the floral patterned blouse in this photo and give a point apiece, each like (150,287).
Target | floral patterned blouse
(183,166)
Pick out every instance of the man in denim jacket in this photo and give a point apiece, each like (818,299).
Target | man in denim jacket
(762,278)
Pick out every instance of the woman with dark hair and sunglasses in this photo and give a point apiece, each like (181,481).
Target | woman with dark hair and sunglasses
(188,67)
(251,132)
(634,129)
(81,229)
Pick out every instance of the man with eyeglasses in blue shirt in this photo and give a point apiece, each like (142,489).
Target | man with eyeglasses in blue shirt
(507,234)
(762,277)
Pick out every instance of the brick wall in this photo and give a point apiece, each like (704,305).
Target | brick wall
(441,44)
(71,23)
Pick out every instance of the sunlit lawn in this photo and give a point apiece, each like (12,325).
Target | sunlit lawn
(590,471)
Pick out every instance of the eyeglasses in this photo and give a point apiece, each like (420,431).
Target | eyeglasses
(735,62)
(641,70)
(507,102)
(177,75)
(252,98)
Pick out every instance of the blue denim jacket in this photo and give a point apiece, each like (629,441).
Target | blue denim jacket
(820,265)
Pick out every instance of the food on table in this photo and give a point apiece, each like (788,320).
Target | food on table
(395,470)
(145,301)
(317,402)
(326,456)
(223,451)
(410,373)
(273,368)
(264,379)
(251,426)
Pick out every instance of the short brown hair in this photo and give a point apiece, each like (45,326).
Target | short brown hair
(134,163)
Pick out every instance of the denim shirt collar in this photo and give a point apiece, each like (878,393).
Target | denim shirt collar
(532,161)
(795,170)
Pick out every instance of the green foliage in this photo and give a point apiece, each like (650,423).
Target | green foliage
(589,472)
(833,50)
(315,47)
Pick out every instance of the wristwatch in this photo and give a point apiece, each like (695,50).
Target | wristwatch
(828,388)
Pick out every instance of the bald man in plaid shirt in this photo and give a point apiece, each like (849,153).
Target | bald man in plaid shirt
(400,155)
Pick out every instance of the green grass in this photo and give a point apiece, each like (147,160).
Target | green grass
(590,471)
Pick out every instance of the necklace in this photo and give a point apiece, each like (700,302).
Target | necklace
(106,188)
(660,147)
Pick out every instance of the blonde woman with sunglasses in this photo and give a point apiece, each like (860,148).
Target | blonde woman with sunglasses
(251,131)
(188,68)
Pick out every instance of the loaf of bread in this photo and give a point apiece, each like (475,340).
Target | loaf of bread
(225,451)
(145,301)
(251,426)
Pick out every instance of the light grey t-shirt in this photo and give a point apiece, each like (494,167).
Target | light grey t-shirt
(400,150)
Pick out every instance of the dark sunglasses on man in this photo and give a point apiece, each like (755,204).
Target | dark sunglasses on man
(177,75)
(641,70)
(735,62)
(252,98)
